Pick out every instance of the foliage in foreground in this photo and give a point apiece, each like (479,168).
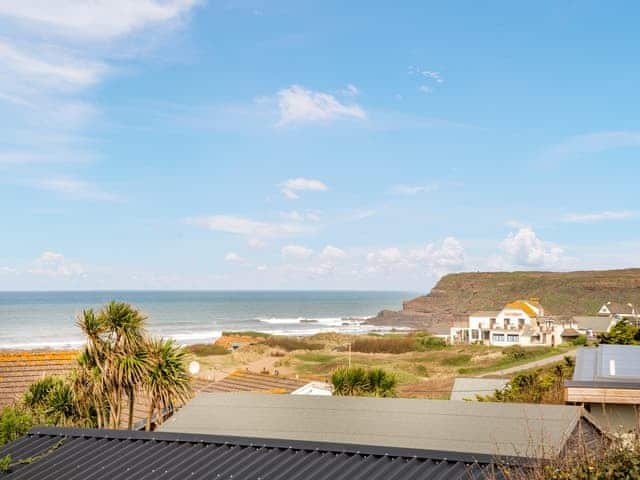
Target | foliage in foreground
(619,460)
(14,423)
(356,381)
(543,385)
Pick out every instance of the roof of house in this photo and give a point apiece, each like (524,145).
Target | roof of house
(485,313)
(75,454)
(617,366)
(618,308)
(468,388)
(524,306)
(596,324)
(19,370)
(471,427)
(245,381)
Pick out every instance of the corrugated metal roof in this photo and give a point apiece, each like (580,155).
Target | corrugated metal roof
(71,454)
(468,388)
(473,427)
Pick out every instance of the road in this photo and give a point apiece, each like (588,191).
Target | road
(530,365)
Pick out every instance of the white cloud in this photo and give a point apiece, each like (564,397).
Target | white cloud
(256,243)
(54,264)
(333,253)
(524,249)
(248,227)
(361,214)
(51,50)
(299,105)
(410,190)
(74,188)
(425,89)
(427,74)
(97,19)
(59,71)
(291,187)
(431,259)
(598,216)
(296,251)
(233,257)
(350,91)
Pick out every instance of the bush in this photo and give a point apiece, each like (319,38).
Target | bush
(206,349)
(292,343)
(622,333)
(515,352)
(14,423)
(456,360)
(544,385)
(392,344)
(580,341)
(356,381)
(248,333)
(429,341)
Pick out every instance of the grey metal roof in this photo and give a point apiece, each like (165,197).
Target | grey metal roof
(74,454)
(597,324)
(608,363)
(468,388)
(472,427)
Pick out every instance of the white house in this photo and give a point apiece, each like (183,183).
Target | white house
(522,322)
(619,311)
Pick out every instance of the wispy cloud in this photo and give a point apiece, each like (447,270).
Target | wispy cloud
(233,257)
(255,230)
(53,52)
(299,252)
(300,105)
(594,217)
(102,19)
(411,190)
(291,188)
(593,143)
(74,189)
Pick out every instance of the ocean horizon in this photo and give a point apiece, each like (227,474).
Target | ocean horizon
(47,319)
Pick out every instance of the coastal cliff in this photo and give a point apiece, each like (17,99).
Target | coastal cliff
(562,293)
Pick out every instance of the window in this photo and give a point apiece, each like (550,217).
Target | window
(513,338)
(474,334)
(498,337)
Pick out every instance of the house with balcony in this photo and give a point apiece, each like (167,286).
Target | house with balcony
(522,322)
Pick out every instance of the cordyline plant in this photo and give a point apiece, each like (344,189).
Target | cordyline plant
(120,361)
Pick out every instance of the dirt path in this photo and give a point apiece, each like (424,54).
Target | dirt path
(530,365)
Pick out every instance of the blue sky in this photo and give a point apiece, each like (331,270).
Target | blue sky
(293,144)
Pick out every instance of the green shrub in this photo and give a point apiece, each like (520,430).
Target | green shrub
(356,381)
(622,333)
(515,352)
(206,349)
(429,341)
(14,423)
(456,360)
(388,344)
(580,341)
(292,343)
(248,333)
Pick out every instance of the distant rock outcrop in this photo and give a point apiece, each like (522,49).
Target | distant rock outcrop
(456,295)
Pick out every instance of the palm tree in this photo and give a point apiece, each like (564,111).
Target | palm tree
(115,357)
(167,381)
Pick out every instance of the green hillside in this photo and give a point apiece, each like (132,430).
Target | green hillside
(566,293)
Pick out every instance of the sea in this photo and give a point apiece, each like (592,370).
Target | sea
(47,320)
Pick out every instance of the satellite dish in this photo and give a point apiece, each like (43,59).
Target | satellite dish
(194,368)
